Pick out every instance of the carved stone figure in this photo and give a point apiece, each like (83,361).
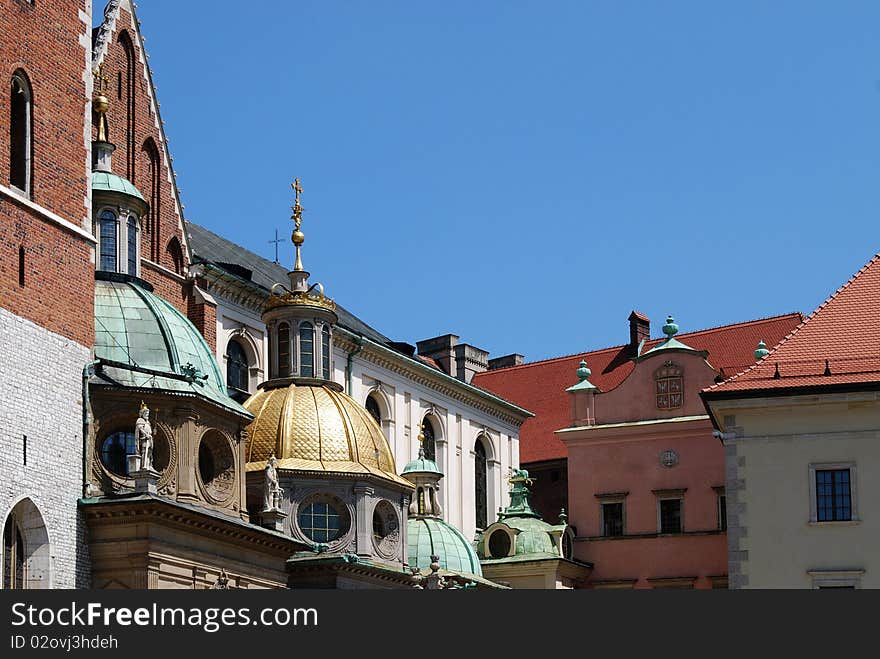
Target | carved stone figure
(271,488)
(143,436)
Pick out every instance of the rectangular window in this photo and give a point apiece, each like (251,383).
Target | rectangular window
(612,519)
(833,495)
(670,515)
(721,503)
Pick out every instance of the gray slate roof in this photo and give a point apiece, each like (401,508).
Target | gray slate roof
(208,246)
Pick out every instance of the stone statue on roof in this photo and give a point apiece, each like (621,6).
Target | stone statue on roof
(143,437)
(271,488)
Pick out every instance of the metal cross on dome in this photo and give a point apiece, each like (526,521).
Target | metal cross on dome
(297,207)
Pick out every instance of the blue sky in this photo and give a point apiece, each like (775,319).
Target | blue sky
(523,174)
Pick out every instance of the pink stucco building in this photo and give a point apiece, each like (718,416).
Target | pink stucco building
(646,475)
(635,466)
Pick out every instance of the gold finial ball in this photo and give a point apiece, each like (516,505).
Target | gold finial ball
(101,103)
(298,237)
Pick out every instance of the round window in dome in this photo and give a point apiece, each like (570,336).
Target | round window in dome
(117,446)
(216,467)
(499,544)
(386,529)
(323,519)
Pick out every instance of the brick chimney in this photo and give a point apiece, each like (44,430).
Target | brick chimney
(639,330)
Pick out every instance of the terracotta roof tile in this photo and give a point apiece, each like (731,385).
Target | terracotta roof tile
(836,345)
(540,386)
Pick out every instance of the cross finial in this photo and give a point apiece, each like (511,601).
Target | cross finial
(101,79)
(298,237)
(297,207)
(276,241)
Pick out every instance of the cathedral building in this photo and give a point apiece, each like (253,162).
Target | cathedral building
(211,420)
(471,433)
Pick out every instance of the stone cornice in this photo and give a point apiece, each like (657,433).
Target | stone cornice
(431,378)
(136,510)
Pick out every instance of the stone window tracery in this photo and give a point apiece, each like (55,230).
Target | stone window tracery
(13,555)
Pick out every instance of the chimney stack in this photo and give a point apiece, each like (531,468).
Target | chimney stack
(460,360)
(639,331)
(506,361)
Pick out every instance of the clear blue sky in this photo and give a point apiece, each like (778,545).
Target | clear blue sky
(524,174)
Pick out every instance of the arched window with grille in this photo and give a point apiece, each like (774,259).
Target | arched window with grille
(481,478)
(21,123)
(237,370)
(284,350)
(108,227)
(13,555)
(372,406)
(325,352)
(306,350)
(430,439)
(27,562)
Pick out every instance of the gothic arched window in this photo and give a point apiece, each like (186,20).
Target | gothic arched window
(668,386)
(306,350)
(108,227)
(325,352)
(481,477)
(373,408)
(21,124)
(237,368)
(151,218)
(430,441)
(175,253)
(127,87)
(132,245)
(13,555)
(284,350)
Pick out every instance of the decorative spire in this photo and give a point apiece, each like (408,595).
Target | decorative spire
(583,372)
(422,441)
(297,236)
(520,505)
(101,103)
(670,329)
(762,351)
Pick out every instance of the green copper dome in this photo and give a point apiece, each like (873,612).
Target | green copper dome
(136,328)
(429,536)
(110,182)
(421,464)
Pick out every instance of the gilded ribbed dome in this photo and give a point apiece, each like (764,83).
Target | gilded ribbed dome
(312,425)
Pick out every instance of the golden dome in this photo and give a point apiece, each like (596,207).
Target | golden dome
(312,425)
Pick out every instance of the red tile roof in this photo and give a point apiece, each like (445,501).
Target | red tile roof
(429,362)
(838,344)
(540,386)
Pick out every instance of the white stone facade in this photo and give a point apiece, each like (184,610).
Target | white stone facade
(406,390)
(42,403)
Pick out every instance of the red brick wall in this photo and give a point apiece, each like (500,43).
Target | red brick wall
(164,225)
(44,40)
